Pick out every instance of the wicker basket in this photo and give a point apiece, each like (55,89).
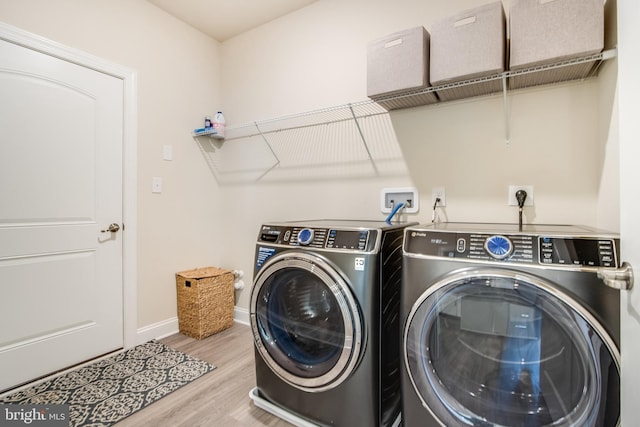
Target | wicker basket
(205,301)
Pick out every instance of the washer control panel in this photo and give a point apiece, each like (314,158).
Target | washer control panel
(321,238)
(515,248)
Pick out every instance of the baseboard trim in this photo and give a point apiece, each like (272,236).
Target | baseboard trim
(241,315)
(170,326)
(157,330)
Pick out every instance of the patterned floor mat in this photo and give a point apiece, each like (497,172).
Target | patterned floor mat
(110,390)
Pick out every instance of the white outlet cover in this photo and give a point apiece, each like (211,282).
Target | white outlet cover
(435,191)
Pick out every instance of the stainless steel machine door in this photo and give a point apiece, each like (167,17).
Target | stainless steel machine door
(305,321)
(496,347)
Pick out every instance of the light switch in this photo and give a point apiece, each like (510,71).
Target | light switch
(156,185)
(167,152)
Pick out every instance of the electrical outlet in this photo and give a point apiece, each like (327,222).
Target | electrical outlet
(390,197)
(438,193)
(512,201)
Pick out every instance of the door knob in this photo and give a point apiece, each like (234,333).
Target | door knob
(112,228)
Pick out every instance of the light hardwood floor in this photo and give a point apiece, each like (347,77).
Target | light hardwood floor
(219,398)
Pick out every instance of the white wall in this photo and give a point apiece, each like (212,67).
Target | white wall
(178,72)
(560,142)
(554,145)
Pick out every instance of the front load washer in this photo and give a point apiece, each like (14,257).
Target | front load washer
(505,326)
(324,312)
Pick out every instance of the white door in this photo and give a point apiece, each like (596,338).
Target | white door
(61,284)
(628,95)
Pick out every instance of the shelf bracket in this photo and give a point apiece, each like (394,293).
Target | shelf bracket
(364,141)
(505,107)
(275,156)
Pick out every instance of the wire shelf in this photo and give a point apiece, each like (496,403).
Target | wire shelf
(351,141)
(358,140)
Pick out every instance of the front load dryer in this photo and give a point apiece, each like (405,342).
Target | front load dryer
(324,312)
(505,326)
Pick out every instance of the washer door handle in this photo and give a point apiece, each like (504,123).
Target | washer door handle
(619,278)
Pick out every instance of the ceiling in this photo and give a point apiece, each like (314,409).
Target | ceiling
(223,19)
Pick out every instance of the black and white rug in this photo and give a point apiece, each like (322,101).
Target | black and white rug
(111,389)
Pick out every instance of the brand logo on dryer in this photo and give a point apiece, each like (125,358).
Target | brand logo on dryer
(358,264)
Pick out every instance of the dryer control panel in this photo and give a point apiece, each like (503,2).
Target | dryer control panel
(319,238)
(540,249)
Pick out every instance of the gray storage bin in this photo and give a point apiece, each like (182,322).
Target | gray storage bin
(469,45)
(548,31)
(398,64)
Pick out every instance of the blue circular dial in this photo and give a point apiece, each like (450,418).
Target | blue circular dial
(499,247)
(305,236)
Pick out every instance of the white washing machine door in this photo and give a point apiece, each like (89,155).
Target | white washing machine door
(491,347)
(305,321)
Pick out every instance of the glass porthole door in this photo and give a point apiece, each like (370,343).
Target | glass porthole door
(305,321)
(492,347)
